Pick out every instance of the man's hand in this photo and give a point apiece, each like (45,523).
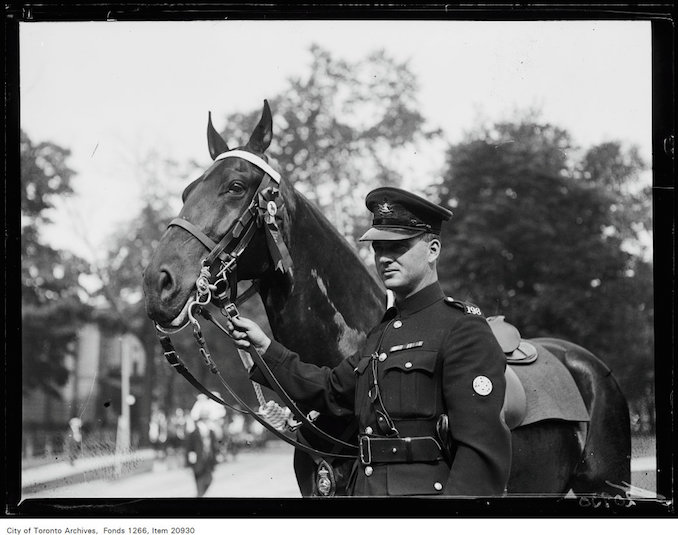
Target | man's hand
(246,332)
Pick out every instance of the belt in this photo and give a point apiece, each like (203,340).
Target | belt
(399,450)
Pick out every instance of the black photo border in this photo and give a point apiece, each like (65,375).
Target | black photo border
(662,21)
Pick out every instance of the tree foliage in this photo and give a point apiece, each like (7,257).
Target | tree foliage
(52,300)
(342,129)
(553,242)
(127,254)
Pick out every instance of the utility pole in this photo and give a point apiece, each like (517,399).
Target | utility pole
(122,443)
(124,386)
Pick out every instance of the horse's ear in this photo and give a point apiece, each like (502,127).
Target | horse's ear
(263,133)
(215,142)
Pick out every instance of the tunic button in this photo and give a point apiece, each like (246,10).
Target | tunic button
(397,324)
(382,357)
(394,450)
(438,486)
(408,364)
(368,430)
(368,471)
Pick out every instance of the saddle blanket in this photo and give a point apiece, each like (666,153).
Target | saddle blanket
(550,391)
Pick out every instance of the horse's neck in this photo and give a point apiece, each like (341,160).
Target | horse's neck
(335,300)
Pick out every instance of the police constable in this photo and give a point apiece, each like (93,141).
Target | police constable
(428,386)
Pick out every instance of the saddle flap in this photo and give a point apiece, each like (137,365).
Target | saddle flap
(515,400)
(505,333)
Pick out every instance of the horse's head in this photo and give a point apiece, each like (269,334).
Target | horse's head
(212,205)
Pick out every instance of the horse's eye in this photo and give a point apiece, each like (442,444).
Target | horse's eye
(235,188)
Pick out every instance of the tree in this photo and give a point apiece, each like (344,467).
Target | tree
(52,299)
(341,130)
(553,242)
(120,272)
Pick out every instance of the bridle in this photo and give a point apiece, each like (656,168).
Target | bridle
(265,210)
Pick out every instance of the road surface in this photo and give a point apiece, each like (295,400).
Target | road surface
(266,473)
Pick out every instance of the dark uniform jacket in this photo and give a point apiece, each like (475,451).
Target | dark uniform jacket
(432,356)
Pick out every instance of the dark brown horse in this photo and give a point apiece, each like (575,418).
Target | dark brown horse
(332,300)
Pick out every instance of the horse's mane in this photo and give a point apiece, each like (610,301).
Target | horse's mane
(335,296)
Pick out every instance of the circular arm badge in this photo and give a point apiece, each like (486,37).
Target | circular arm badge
(482,385)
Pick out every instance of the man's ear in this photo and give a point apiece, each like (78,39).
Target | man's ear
(434,247)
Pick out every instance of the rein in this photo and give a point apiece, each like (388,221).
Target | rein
(265,210)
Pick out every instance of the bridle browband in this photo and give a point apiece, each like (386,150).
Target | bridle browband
(253,159)
(264,211)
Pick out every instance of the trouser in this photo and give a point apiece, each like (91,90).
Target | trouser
(203,480)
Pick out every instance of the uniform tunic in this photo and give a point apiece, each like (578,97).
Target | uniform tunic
(432,356)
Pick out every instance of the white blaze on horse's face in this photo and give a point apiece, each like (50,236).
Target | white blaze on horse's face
(349,339)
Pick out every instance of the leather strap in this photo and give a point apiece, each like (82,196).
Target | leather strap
(253,159)
(399,450)
(298,445)
(245,223)
(176,362)
(278,388)
(195,231)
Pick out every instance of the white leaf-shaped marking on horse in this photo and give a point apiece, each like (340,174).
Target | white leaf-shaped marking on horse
(349,339)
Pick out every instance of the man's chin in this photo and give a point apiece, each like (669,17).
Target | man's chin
(392,284)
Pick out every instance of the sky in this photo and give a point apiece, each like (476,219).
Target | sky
(112,91)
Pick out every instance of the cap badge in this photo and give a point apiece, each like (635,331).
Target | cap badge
(482,385)
(385,209)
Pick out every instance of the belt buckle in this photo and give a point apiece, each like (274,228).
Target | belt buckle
(365,439)
(172,358)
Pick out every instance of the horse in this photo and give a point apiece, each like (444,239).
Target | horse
(323,307)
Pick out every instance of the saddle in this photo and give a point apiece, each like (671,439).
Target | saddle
(517,351)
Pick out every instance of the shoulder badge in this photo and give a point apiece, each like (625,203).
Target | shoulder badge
(466,308)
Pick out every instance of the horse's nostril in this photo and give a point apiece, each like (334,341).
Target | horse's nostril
(166,283)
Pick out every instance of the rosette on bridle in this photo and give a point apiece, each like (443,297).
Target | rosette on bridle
(270,207)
